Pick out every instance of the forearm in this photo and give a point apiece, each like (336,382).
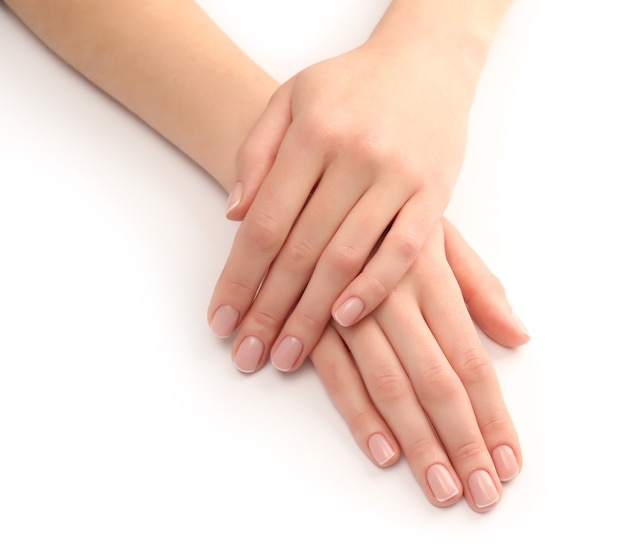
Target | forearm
(463,29)
(167,62)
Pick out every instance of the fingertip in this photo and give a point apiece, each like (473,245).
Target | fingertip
(483,490)
(249,355)
(502,332)
(381,450)
(443,487)
(224,321)
(234,216)
(506,463)
(523,333)
(512,333)
(286,354)
(349,312)
(234,202)
(493,315)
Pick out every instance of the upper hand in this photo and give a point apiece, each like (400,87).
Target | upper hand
(345,148)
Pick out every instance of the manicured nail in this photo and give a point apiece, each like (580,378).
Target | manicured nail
(483,489)
(286,354)
(235,197)
(349,311)
(506,463)
(224,321)
(249,354)
(441,483)
(380,449)
(519,324)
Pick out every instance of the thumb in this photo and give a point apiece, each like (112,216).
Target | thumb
(483,292)
(256,155)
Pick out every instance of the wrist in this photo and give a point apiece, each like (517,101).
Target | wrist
(456,32)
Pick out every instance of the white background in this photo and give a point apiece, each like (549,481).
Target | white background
(124,428)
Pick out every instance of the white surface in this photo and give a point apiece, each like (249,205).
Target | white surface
(124,428)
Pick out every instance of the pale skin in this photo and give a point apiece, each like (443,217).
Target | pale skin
(370,138)
(148,55)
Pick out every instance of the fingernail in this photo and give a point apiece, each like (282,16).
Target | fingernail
(506,463)
(224,321)
(249,354)
(286,354)
(519,324)
(235,197)
(483,489)
(349,311)
(380,449)
(441,483)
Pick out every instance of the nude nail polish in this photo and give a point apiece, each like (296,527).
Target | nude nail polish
(224,321)
(506,463)
(235,197)
(349,311)
(483,489)
(287,353)
(381,450)
(249,354)
(441,483)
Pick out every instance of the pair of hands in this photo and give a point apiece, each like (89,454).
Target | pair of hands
(339,156)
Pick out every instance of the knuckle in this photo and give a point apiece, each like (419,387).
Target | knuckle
(264,321)
(469,451)
(263,232)
(489,285)
(497,425)
(388,386)
(376,288)
(253,155)
(474,366)
(333,374)
(438,383)
(345,259)
(405,245)
(360,422)
(313,322)
(247,154)
(299,256)
(420,449)
(369,147)
(239,291)
(371,151)
(320,127)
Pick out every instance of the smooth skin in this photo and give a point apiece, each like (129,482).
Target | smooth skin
(147,55)
(370,140)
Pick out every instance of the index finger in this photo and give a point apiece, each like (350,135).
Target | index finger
(262,234)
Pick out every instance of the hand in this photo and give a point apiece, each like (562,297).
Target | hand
(416,365)
(344,149)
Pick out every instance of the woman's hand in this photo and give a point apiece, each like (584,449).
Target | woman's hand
(349,147)
(413,376)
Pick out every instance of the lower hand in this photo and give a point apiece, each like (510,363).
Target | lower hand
(413,377)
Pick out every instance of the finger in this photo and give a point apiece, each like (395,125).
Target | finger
(340,261)
(345,387)
(452,326)
(442,395)
(390,263)
(262,234)
(290,272)
(483,292)
(393,395)
(258,152)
